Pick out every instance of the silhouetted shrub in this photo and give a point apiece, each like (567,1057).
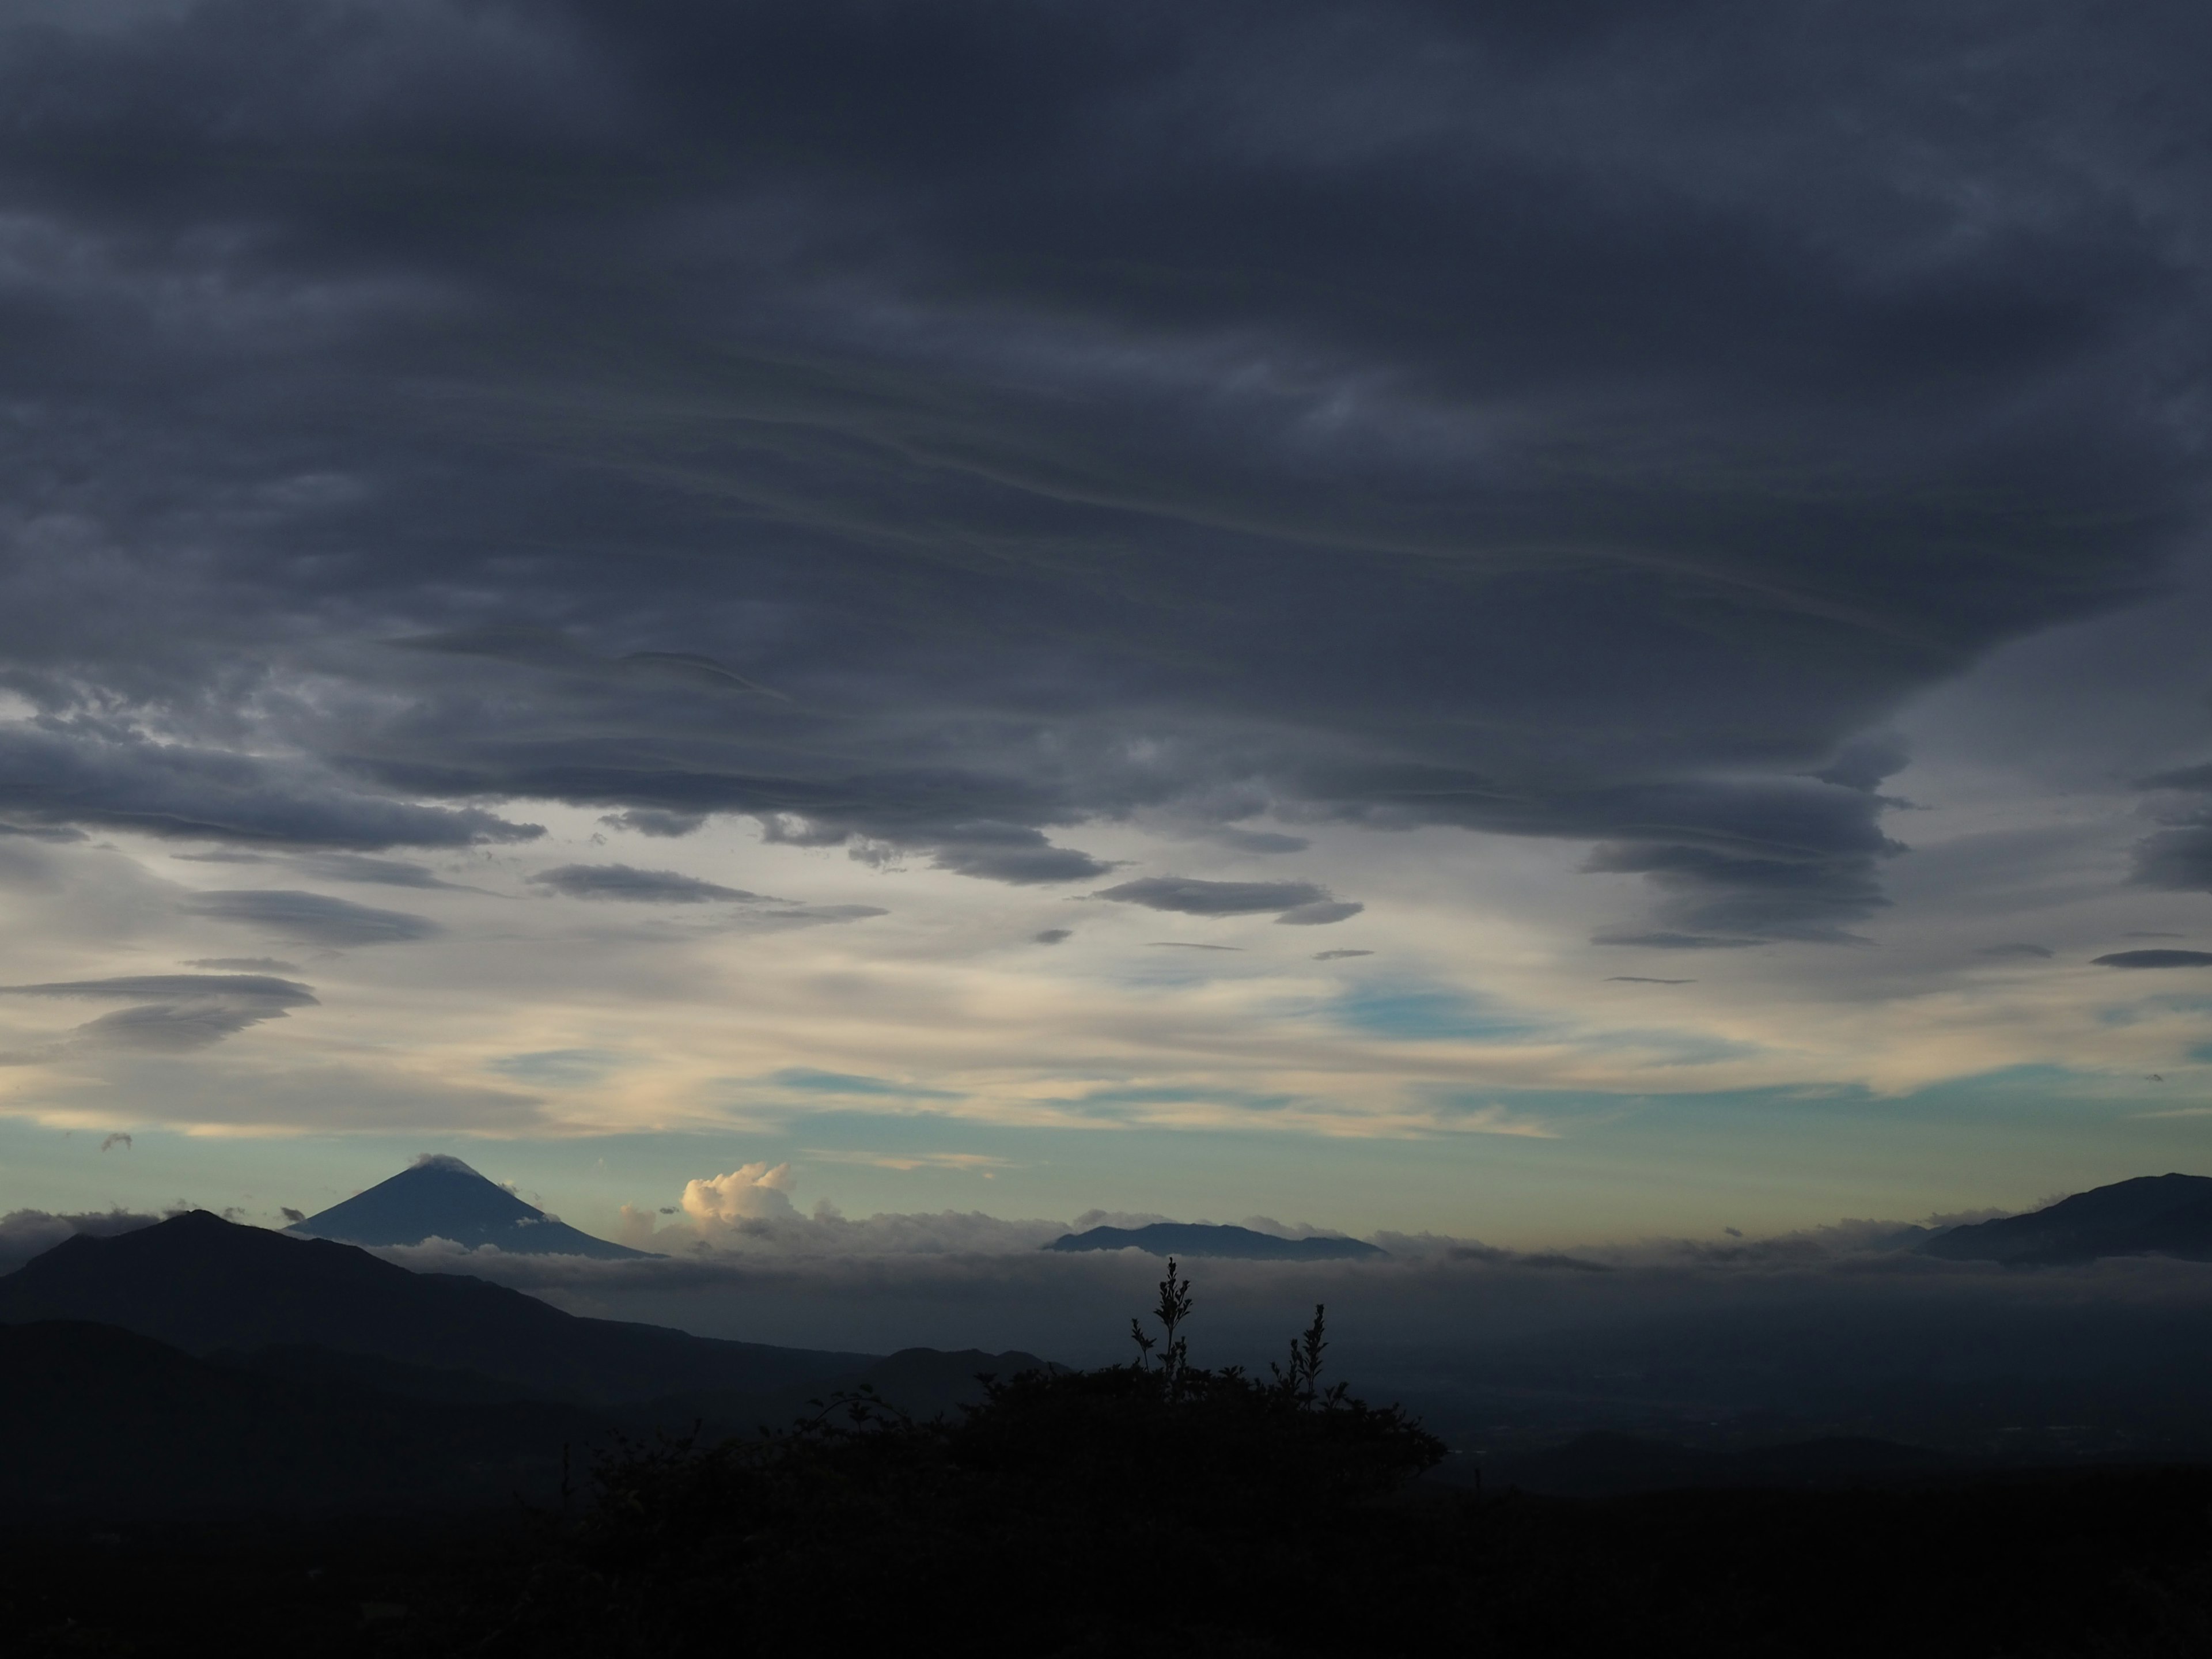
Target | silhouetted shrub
(1048,1503)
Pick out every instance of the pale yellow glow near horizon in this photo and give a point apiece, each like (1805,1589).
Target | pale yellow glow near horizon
(687,1015)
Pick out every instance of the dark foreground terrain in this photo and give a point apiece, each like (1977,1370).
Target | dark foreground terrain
(215,1440)
(960,1544)
(1152,1507)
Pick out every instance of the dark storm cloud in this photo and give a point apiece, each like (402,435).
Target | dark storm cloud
(121,781)
(2186,777)
(1666,941)
(161,1028)
(1053,936)
(281,993)
(621,882)
(2179,858)
(930,427)
(1258,841)
(42,834)
(335,867)
(1321,913)
(647,820)
(1339,956)
(2036,952)
(2155,959)
(1010,852)
(377,872)
(310,918)
(1187,895)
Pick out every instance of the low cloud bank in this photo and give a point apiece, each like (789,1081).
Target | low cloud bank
(1767,1321)
(1838,1328)
(26,1233)
(1841,1329)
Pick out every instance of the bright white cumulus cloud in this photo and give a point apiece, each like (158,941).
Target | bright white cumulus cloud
(749,1210)
(752,1192)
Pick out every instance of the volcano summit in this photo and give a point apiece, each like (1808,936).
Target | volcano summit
(441,1197)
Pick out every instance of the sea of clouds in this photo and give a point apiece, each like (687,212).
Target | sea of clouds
(1846,1326)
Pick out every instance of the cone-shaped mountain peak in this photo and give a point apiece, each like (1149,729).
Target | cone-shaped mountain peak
(441,1197)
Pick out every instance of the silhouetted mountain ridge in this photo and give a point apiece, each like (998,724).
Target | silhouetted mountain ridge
(2150,1215)
(1200,1239)
(201,1284)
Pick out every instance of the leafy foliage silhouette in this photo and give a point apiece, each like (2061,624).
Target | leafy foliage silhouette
(1061,1489)
(1194,1512)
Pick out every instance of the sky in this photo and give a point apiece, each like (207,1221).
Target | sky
(1527,623)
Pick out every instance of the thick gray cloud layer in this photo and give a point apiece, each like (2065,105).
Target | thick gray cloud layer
(1190,896)
(310,918)
(930,427)
(283,992)
(2179,856)
(123,781)
(632,886)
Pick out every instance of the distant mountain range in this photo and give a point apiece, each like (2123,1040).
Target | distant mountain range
(1196,1239)
(441,1197)
(2151,1215)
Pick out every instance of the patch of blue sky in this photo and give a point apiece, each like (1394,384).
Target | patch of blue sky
(807,1080)
(1105,1100)
(557,1068)
(2201,1052)
(2017,1093)
(2014,1094)
(1663,1048)
(1433,1013)
(2131,1013)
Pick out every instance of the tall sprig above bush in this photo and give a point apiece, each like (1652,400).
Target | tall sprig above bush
(1174,1309)
(1301,1383)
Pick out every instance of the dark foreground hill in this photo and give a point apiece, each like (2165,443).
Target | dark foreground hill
(320,1379)
(1090,1515)
(312,1310)
(98,1421)
(201,1284)
(442,1197)
(1200,1239)
(923,1383)
(1609,1465)
(2151,1215)
(1152,1508)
